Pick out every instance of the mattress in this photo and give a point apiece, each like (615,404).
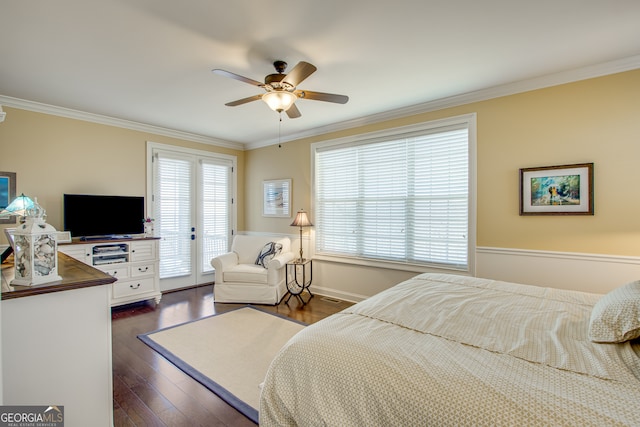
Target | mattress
(454,350)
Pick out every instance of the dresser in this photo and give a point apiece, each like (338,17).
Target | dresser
(134,263)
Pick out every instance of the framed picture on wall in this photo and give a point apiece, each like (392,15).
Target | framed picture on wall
(557,190)
(276,198)
(7,194)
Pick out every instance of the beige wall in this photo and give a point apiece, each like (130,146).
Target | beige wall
(291,160)
(596,120)
(54,155)
(591,121)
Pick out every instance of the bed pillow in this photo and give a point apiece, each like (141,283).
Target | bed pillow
(616,316)
(267,253)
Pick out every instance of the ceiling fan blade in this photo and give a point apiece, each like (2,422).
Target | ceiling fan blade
(243,100)
(293,112)
(321,96)
(237,77)
(300,72)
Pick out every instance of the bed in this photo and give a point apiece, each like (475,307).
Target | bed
(455,350)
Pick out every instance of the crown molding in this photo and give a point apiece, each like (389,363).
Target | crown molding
(38,107)
(568,76)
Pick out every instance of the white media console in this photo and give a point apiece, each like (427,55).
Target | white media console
(133,262)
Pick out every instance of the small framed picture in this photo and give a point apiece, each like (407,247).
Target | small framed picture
(276,198)
(557,190)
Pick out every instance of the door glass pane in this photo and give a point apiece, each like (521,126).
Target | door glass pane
(172,202)
(215,208)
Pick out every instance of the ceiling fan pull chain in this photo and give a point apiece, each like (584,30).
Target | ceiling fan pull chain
(280,130)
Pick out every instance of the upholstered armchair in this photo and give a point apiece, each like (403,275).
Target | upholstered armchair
(252,272)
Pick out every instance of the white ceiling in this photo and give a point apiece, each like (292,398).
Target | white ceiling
(150,61)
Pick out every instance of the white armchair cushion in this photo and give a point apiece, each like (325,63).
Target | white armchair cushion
(248,273)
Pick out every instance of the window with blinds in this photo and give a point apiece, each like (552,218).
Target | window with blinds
(400,197)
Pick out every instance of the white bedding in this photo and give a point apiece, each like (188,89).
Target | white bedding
(453,350)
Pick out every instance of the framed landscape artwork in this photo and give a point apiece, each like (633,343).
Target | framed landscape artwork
(7,194)
(557,190)
(277,198)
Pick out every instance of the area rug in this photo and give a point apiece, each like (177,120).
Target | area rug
(229,353)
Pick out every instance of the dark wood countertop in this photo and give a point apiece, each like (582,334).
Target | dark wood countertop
(75,275)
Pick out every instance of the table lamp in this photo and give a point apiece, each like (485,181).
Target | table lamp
(301,220)
(18,207)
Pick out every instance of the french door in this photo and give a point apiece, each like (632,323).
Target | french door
(194,215)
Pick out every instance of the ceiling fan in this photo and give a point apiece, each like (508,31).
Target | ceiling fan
(281,92)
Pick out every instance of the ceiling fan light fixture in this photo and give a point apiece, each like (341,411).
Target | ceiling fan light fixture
(279,100)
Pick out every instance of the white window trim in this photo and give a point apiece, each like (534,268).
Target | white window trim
(467,119)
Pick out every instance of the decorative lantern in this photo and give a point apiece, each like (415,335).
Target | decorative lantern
(36,251)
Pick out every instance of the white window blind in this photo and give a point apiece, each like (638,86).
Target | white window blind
(400,198)
(172,200)
(216,210)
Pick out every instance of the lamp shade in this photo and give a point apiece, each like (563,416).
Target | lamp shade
(301,220)
(18,206)
(279,100)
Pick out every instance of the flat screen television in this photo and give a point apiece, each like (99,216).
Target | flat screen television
(87,215)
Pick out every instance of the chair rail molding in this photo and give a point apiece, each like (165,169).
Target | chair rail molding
(595,273)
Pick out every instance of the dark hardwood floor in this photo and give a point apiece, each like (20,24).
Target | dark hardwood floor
(150,391)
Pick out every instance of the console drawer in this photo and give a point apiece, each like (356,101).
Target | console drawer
(144,269)
(121,272)
(132,287)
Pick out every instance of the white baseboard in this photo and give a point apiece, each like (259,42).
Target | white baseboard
(564,270)
(338,294)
